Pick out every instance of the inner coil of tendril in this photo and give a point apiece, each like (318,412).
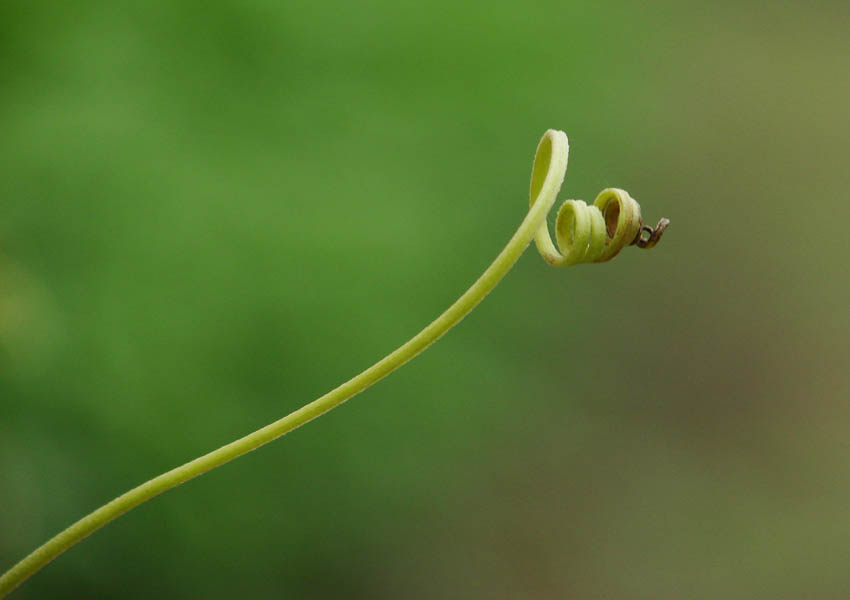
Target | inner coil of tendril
(584,234)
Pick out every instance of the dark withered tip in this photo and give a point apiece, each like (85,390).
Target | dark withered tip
(647,236)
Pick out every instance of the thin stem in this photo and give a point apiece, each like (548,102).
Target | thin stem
(550,166)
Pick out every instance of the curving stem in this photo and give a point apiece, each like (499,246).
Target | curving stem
(585,234)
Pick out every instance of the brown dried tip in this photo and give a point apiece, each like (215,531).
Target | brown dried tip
(647,237)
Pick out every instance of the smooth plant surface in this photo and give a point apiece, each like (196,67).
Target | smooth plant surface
(584,234)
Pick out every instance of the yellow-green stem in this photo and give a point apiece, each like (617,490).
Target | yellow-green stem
(550,166)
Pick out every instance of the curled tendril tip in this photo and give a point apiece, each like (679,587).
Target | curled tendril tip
(584,234)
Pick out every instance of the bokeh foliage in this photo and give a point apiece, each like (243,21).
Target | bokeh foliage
(212,212)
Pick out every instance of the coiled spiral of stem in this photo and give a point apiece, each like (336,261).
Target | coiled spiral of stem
(584,233)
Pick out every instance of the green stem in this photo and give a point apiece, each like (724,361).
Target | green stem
(550,166)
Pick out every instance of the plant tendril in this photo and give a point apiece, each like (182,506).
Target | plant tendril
(584,234)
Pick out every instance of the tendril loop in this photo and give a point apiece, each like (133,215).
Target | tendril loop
(584,234)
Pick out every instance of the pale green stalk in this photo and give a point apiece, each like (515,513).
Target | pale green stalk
(580,230)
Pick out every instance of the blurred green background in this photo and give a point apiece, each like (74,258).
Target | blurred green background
(213,212)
